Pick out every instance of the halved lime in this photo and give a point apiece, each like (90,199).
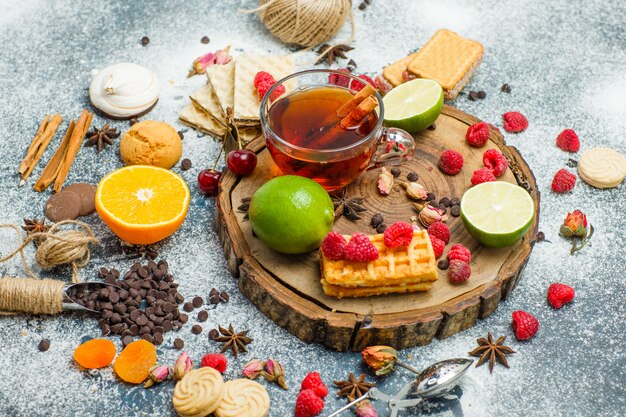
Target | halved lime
(497,213)
(414,105)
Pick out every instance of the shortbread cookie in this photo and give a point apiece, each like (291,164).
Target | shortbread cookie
(602,167)
(199,393)
(243,398)
(123,91)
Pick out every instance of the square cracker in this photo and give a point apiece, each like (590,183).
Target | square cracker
(246,100)
(393,72)
(199,119)
(222,79)
(448,59)
(205,98)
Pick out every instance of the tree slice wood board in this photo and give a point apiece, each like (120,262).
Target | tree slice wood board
(287,288)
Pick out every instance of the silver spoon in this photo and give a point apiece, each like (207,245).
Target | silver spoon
(433,381)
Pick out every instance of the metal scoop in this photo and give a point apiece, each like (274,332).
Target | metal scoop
(433,381)
(70,304)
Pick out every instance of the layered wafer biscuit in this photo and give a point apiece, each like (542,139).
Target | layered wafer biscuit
(246,100)
(222,79)
(205,98)
(197,118)
(340,292)
(394,72)
(395,267)
(448,59)
(248,134)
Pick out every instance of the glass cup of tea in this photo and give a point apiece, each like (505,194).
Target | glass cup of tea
(326,130)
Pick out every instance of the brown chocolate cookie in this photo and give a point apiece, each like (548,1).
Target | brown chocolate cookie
(87,194)
(64,205)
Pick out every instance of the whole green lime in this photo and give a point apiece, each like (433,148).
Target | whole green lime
(291,214)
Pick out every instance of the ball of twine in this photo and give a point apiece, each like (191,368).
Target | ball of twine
(304,22)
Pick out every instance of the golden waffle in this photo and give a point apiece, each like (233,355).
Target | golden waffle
(448,59)
(414,264)
(205,98)
(198,119)
(222,79)
(340,292)
(246,100)
(393,72)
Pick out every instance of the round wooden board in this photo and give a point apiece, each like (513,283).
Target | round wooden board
(287,288)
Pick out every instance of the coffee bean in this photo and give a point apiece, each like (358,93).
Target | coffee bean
(196,329)
(44,345)
(455,211)
(145,41)
(455,201)
(127,340)
(395,172)
(203,315)
(179,344)
(445,201)
(188,307)
(381,228)
(185,164)
(197,302)
(205,40)
(412,176)
(443,264)
(213,334)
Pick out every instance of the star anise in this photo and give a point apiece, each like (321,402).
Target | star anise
(235,341)
(353,387)
(331,55)
(488,349)
(35,225)
(102,137)
(244,206)
(349,207)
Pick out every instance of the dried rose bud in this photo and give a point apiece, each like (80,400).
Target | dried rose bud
(253,369)
(182,366)
(365,409)
(274,372)
(380,358)
(222,56)
(429,215)
(385,181)
(575,225)
(157,374)
(200,64)
(415,191)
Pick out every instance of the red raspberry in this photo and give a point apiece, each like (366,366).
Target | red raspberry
(308,404)
(278,91)
(477,134)
(398,234)
(360,249)
(495,161)
(216,361)
(458,271)
(313,381)
(563,181)
(568,141)
(334,245)
(450,162)
(358,85)
(514,122)
(263,87)
(482,175)
(340,80)
(263,76)
(438,246)
(459,252)
(439,230)
(524,325)
(559,294)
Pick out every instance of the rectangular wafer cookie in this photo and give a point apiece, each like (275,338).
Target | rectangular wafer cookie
(222,79)
(206,98)
(198,119)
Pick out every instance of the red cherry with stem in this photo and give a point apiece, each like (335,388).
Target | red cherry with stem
(209,180)
(241,161)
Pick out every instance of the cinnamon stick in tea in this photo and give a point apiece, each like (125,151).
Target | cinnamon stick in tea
(44,141)
(350,105)
(54,164)
(78,134)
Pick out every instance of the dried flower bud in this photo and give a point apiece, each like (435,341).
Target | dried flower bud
(429,215)
(253,369)
(415,191)
(182,366)
(222,56)
(274,372)
(157,374)
(385,181)
(380,358)
(200,64)
(365,409)
(575,225)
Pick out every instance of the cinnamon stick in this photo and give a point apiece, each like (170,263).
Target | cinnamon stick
(54,164)
(33,146)
(44,141)
(76,139)
(349,105)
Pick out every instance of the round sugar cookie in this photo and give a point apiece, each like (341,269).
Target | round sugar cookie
(602,167)
(199,393)
(243,398)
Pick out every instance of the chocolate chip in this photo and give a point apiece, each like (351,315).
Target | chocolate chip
(127,340)
(203,315)
(455,211)
(395,172)
(167,325)
(142,272)
(179,344)
(214,334)
(103,272)
(455,201)
(481,94)
(443,264)
(412,176)
(224,296)
(362,6)
(540,237)
(197,302)
(148,338)
(158,338)
(145,40)
(185,164)
(141,320)
(114,297)
(205,40)
(432,127)
(183,318)
(44,345)
(505,88)
(163,265)
(473,96)
(196,329)
(445,201)
(381,228)
(377,220)
(188,307)
(214,299)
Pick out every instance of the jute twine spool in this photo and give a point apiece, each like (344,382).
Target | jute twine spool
(303,22)
(58,246)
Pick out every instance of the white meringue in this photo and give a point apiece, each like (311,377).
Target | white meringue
(124,90)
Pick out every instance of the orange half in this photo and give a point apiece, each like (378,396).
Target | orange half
(142,204)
